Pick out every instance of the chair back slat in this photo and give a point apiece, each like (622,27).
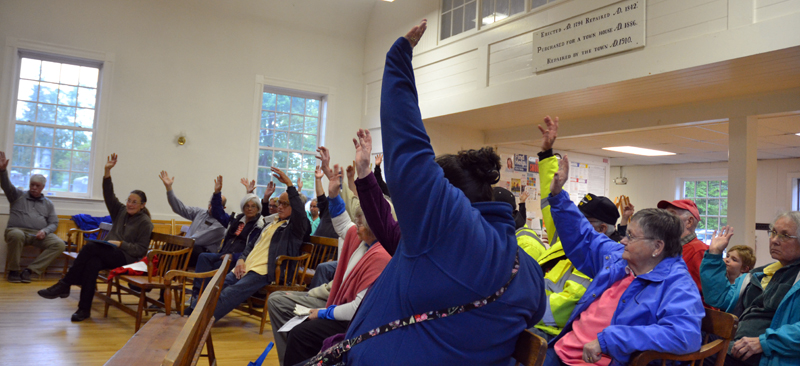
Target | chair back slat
(179,249)
(325,249)
(530,349)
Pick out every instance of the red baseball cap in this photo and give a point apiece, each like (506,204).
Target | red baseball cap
(687,205)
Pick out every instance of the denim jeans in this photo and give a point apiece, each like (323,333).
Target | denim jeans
(234,291)
(324,273)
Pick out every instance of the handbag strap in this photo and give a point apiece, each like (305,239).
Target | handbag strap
(337,351)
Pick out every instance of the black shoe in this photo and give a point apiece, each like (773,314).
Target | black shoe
(14,277)
(60,289)
(25,276)
(81,315)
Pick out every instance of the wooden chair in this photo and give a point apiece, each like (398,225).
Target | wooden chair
(76,238)
(163,226)
(722,325)
(325,249)
(173,253)
(283,282)
(185,336)
(530,350)
(30,253)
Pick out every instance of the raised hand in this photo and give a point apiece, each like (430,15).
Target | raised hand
(3,161)
(318,173)
(335,182)
(218,184)
(351,171)
(325,161)
(378,159)
(720,239)
(363,151)
(281,176)
(416,33)
(166,180)
(561,176)
(299,183)
(550,133)
(110,163)
(269,191)
(250,186)
(627,213)
(523,196)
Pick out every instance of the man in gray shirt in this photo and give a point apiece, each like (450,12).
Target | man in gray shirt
(206,231)
(32,221)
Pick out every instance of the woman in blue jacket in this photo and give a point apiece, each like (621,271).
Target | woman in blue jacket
(642,297)
(457,248)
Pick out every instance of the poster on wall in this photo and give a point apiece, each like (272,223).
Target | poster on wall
(520,162)
(533,165)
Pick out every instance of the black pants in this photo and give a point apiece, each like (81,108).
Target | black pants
(196,251)
(92,259)
(305,340)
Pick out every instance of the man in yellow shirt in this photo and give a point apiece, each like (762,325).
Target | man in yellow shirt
(256,266)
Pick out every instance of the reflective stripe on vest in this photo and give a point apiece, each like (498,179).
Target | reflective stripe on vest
(523,231)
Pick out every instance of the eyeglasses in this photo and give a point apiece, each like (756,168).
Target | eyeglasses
(632,238)
(284,203)
(781,237)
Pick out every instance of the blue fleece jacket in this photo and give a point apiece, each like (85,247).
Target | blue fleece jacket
(661,310)
(451,253)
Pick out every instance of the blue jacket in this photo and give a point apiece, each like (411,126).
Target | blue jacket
(781,341)
(451,253)
(661,310)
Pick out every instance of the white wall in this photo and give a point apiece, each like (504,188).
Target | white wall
(180,68)
(649,184)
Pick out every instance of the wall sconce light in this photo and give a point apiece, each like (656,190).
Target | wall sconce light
(181,140)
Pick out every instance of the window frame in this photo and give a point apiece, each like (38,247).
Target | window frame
(63,54)
(680,194)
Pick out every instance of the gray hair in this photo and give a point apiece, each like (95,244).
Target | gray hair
(38,178)
(792,215)
(661,224)
(685,214)
(250,197)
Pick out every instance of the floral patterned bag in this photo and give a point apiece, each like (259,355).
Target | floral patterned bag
(334,356)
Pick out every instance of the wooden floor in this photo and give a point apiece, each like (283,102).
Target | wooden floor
(37,331)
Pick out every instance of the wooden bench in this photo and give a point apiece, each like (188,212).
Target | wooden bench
(172,339)
(530,349)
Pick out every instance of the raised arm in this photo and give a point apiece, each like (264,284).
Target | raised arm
(217,209)
(379,175)
(112,203)
(298,222)
(717,290)
(187,212)
(268,192)
(12,193)
(548,165)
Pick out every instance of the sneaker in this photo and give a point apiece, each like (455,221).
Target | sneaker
(81,315)
(25,276)
(60,289)
(14,277)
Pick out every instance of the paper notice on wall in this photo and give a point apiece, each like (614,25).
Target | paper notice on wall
(597,180)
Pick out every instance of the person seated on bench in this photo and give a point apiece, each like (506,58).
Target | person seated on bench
(255,268)
(766,300)
(642,297)
(206,231)
(32,221)
(130,237)
(243,229)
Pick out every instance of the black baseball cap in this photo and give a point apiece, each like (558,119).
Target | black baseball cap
(600,208)
(503,195)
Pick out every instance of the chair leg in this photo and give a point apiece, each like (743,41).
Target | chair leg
(108,295)
(212,358)
(139,311)
(263,318)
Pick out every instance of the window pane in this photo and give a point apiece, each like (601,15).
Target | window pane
(537,3)
(268,101)
(309,163)
(264,176)
(283,103)
(19,177)
(312,107)
(712,223)
(298,105)
(28,90)
(295,141)
(70,74)
(713,207)
(45,113)
(85,118)
(65,116)
(23,135)
(80,162)
(458,20)
(89,76)
(308,182)
(48,93)
(63,139)
(713,188)
(58,182)
(265,157)
(83,140)
(295,161)
(487,12)
(26,111)
(688,189)
(44,137)
(42,158)
(266,138)
(702,189)
(702,206)
(61,160)
(281,159)
(701,225)
(51,71)
(447,5)
(282,121)
(281,140)
(469,15)
(67,95)
(80,183)
(311,125)
(86,97)
(723,188)
(23,156)
(445,26)
(723,207)
(309,142)
(723,221)
(517,6)
(501,9)
(457,3)
(296,124)
(29,69)
(267,120)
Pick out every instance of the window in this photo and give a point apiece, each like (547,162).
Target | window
(497,10)
(55,121)
(289,136)
(458,16)
(711,197)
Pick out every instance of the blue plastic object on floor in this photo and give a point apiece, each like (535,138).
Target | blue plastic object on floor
(263,356)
